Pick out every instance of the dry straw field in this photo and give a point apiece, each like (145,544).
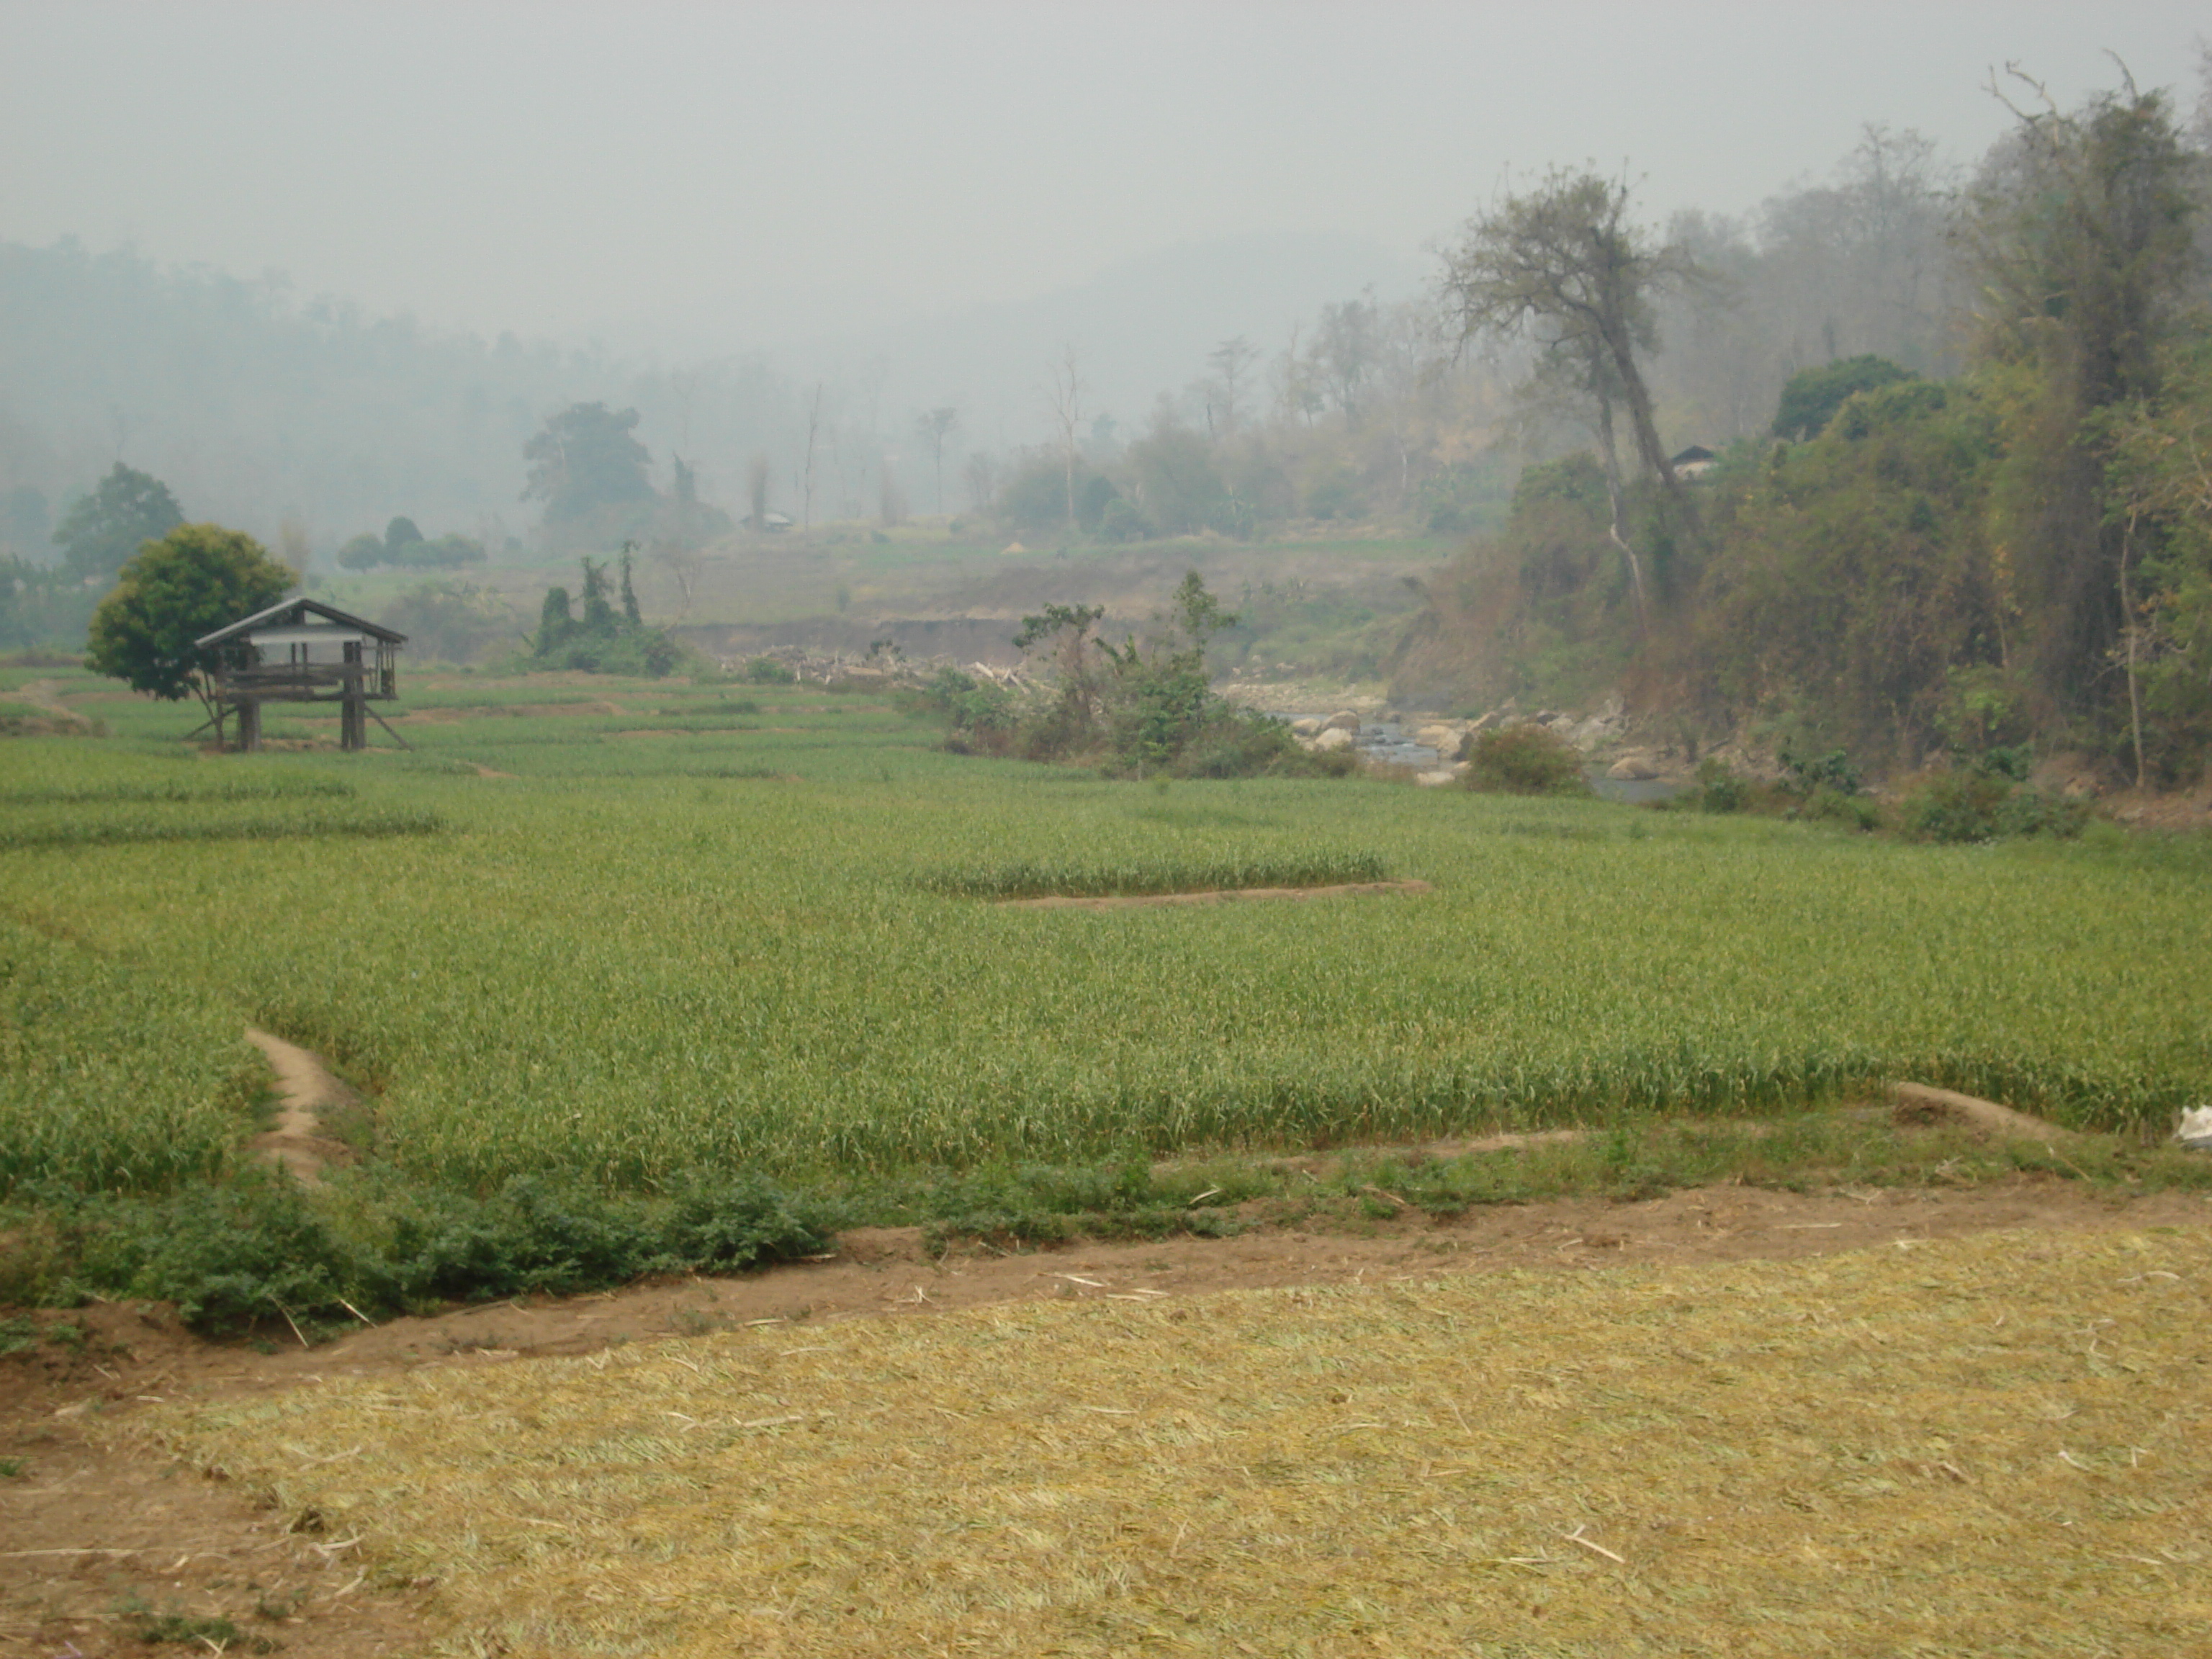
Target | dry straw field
(1988,1446)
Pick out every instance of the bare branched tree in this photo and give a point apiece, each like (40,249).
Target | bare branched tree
(1344,352)
(813,434)
(1564,269)
(982,476)
(934,427)
(1063,396)
(1226,384)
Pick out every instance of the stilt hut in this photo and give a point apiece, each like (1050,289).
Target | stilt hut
(305,651)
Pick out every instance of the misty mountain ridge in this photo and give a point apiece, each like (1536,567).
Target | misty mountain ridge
(1139,328)
(256,406)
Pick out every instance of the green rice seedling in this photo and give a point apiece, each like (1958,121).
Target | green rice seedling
(114,1076)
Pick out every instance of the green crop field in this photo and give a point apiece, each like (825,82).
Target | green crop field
(690,932)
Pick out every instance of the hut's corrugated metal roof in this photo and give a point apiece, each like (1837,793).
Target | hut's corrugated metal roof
(295,612)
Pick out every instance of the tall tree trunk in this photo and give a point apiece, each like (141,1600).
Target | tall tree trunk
(1639,410)
(2128,635)
(1612,493)
(813,425)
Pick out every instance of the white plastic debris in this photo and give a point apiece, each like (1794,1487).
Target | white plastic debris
(2196,1128)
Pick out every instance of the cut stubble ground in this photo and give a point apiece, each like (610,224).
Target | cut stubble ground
(1804,1422)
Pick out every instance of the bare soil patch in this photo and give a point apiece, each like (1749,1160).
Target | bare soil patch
(1217,895)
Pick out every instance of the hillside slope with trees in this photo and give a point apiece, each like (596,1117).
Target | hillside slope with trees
(1904,564)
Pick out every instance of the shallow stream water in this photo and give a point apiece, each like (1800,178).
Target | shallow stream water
(1378,740)
(1388,742)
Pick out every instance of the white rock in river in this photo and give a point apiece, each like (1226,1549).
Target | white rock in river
(1335,739)
(1434,780)
(1308,727)
(1343,721)
(1632,769)
(1586,734)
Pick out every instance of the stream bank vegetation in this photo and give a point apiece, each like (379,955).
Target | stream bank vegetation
(1138,709)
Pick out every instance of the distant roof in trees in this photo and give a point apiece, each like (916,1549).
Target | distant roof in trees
(294,613)
(1694,453)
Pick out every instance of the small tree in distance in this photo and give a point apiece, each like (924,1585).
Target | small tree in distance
(195,580)
(933,427)
(584,458)
(99,535)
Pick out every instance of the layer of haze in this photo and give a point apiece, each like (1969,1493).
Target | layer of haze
(689,180)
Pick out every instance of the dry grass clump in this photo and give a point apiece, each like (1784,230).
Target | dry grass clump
(1995,1445)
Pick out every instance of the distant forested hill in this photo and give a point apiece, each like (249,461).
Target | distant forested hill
(256,407)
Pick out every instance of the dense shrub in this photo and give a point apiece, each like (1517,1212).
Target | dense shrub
(1809,773)
(1131,710)
(257,1248)
(1987,806)
(1719,789)
(1526,760)
(604,640)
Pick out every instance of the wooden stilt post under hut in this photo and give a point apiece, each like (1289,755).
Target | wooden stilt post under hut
(305,651)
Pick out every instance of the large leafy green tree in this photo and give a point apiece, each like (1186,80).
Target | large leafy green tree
(1812,396)
(195,580)
(127,509)
(584,459)
(1854,590)
(2159,484)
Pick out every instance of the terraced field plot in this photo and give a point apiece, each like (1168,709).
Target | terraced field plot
(686,928)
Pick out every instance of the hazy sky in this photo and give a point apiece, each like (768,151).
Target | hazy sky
(716,176)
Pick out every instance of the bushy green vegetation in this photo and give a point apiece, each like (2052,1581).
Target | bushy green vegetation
(1136,709)
(604,640)
(648,961)
(1525,760)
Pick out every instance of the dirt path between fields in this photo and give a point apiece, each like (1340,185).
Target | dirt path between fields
(95,1523)
(47,695)
(305,1091)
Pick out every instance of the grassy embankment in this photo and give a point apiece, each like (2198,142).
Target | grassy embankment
(686,942)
